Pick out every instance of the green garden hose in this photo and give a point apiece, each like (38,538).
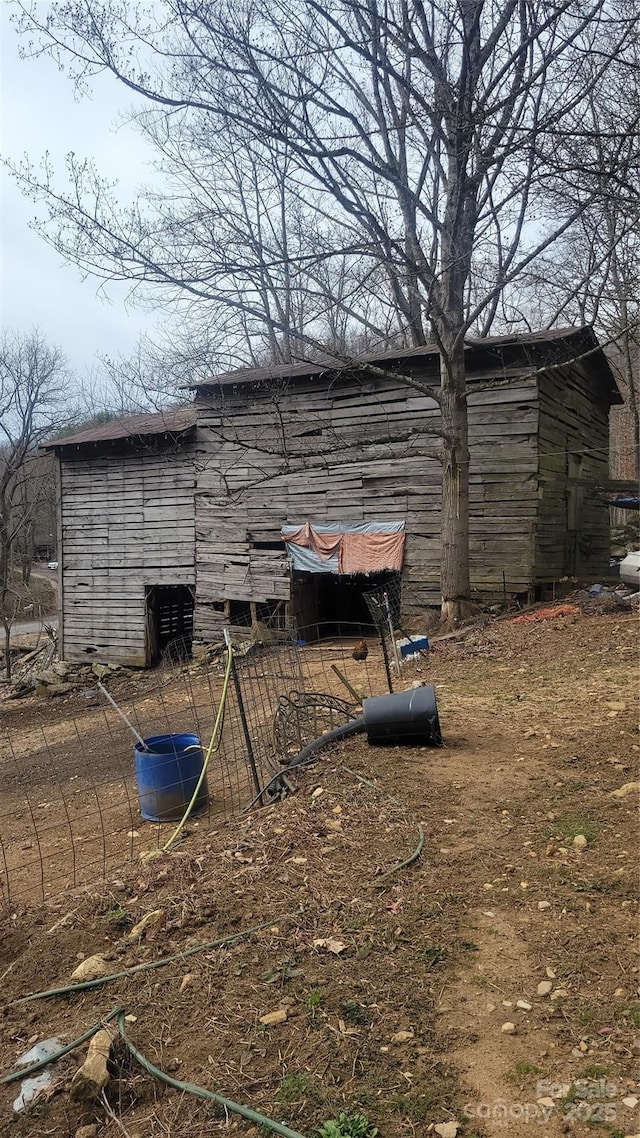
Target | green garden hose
(86,985)
(25,1072)
(192,1089)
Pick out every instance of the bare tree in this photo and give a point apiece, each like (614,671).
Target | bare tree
(34,389)
(420,142)
(592,275)
(604,255)
(34,511)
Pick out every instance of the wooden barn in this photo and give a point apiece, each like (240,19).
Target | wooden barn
(289,492)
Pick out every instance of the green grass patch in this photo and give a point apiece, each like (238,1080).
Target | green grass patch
(572,1095)
(296,1087)
(416,1107)
(597,885)
(594,1071)
(348,1126)
(570,825)
(118,917)
(633,1015)
(433,954)
(436,1093)
(450,898)
(587,1016)
(520,1072)
(367,1101)
(354,1013)
(315,998)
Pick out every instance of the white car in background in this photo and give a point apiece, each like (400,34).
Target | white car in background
(630,569)
(52,565)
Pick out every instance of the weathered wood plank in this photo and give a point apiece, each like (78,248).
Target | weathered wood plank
(331,474)
(127,521)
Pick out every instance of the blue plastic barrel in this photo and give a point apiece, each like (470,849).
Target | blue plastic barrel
(167,773)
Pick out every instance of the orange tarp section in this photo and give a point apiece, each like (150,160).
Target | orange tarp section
(546,614)
(370,552)
(356,552)
(324,545)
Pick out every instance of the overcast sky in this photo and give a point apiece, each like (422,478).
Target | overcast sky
(38,113)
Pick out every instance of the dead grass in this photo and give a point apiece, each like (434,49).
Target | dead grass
(541,725)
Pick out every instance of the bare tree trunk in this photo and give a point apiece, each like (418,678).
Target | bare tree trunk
(7,648)
(33,401)
(455,583)
(5,559)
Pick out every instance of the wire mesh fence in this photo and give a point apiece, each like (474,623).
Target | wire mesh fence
(70,807)
(398,646)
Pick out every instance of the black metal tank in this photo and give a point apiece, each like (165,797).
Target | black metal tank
(409,717)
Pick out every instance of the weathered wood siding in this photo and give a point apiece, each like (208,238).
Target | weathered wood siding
(356,450)
(572,534)
(127,521)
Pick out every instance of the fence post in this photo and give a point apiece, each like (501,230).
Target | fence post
(243,716)
(385,656)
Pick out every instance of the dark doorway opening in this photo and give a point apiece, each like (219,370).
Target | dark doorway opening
(332,604)
(169,622)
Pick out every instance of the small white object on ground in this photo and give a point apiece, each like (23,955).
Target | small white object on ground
(31,1088)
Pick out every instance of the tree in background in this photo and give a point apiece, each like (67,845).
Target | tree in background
(34,390)
(35,512)
(390,168)
(592,275)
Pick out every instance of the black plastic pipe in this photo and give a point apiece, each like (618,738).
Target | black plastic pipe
(408,717)
(353,727)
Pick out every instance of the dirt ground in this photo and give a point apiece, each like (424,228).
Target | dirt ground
(394,990)
(69,808)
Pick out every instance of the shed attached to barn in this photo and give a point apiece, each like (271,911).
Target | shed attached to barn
(126,537)
(295,490)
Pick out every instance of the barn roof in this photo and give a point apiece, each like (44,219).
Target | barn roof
(173,421)
(559,343)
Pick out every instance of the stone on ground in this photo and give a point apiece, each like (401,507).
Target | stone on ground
(91,969)
(93,1076)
